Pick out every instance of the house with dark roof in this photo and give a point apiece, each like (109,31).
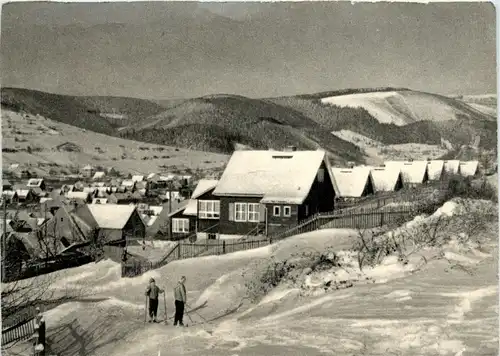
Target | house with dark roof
(266,191)
(6,185)
(204,206)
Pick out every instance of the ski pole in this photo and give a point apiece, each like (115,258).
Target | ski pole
(146,309)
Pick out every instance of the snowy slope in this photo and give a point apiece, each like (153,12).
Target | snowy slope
(405,107)
(438,310)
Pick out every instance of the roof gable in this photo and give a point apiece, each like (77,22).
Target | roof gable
(351,182)
(451,166)
(203,186)
(468,168)
(435,169)
(385,178)
(111,216)
(273,174)
(412,172)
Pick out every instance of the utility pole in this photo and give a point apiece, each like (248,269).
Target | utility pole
(169,196)
(4,237)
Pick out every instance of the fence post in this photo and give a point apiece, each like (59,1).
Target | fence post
(382,218)
(223,247)
(178,247)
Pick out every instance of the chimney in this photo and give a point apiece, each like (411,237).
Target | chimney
(291,148)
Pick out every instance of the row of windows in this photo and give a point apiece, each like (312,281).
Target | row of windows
(210,209)
(180,225)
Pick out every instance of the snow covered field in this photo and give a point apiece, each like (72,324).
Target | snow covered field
(379,152)
(398,107)
(439,310)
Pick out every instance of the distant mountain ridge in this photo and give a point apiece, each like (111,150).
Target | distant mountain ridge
(222,122)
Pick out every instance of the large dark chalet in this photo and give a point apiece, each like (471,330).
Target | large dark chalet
(266,191)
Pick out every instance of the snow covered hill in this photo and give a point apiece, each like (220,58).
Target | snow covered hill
(406,106)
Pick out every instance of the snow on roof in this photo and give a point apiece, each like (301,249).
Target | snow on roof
(8,192)
(278,176)
(22,192)
(385,178)
(89,189)
(88,167)
(156,209)
(203,186)
(35,182)
(151,175)
(184,207)
(77,195)
(451,166)
(111,216)
(435,169)
(152,220)
(468,168)
(351,182)
(43,200)
(137,178)
(191,208)
(128,183)
(167,177)
(14,166)
(412,172)
(98,175)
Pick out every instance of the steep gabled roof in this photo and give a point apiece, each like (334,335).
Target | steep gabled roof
(351,182)
(272,175)
(468,168)
(203,186)
(413,172)
(35,182)
(111,216)
(385,178)
(435,169)
(452,166)
(138,178)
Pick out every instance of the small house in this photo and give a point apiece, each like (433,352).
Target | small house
(88,171)
(451,167)
(435,169)
(272,190)
(99,176)
(6,185)
(79,196)
(180,225)
(353,183)
(36,183)
(386,179)
(469,168)
(114,222)
(25,196)
(137,178)
(205,207)
(128,184)
(414,173)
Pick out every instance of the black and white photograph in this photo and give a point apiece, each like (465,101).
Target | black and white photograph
(249,178)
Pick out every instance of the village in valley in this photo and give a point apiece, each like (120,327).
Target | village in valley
(323,209)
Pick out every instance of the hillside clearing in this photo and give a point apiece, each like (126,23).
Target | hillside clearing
(36,140)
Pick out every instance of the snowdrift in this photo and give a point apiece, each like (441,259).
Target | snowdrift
(390,307)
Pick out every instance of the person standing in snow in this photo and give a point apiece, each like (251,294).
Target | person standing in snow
(180,301)
(153,291)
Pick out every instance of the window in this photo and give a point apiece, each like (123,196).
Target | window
(180,225)
(287,211)
(321,175)
(307,210)
(276,210)
(209,209)
(65,241)
(253,212)
(240,211)
(212,236)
